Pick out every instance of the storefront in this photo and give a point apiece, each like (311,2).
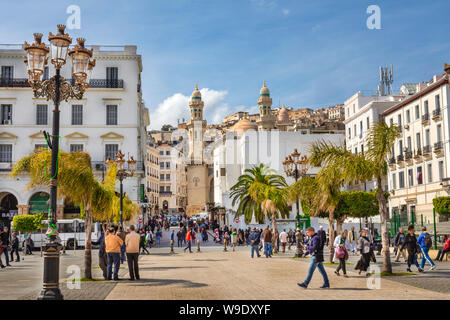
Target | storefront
(8,209)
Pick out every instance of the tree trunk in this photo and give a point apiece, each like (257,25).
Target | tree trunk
(387,267)
(331,233)
(88,244)
(274,236)
(339,226)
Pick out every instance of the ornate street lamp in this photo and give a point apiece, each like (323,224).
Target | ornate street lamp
(122,173)
(296,166)
(57,89)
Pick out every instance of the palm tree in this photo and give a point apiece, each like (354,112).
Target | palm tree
(260,193)
(369,165)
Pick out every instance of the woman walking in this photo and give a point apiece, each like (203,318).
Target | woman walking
(342,245)
(413,248)
(364,249)
(233,239)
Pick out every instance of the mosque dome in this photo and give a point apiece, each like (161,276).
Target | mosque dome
(244,125)
(196,93)
(283,115)
(264,89)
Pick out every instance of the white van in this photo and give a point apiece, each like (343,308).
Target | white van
(71,233)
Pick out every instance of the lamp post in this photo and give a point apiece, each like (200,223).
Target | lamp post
(57,89)
(295,166)
(122,173)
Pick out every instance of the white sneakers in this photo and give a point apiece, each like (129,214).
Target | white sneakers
(432,268)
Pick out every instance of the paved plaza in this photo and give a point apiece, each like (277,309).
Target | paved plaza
(214,274)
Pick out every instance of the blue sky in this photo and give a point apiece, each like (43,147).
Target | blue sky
(311,53)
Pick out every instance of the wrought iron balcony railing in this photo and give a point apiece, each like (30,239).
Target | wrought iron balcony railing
(14,83)
(426,149)
(408,155)
(425,117)
(399,158)
(437,112)
(438,145)
(392,160)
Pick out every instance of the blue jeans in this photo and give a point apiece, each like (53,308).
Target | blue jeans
(255,247)
(112,258)
(425,256)
(122,252)
(268,248)
(312,268)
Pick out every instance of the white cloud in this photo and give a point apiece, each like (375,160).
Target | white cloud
(286,11)
(177,107)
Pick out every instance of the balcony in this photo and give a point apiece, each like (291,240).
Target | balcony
(438,148)
(392,162)
(14,83)
(426,152)
(165,193)
(6,166)
(437,114)
(101,166)
(408,155)
(400,158)
(426,119)
(418,154)
(103,83)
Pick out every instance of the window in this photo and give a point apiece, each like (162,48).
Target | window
(7,72)
(368,123)
(168,177)
(392,121)
(5,152)
(419,175)
(77,114)
(408,141)
(76,148)
(6,114)
(354,130)
(161,177)
(362,148)
(167,165)
(168,189)
(408,117)
(45,75)
(410,178)
(161,153)
(437,102)
(394,181)
(356,150)
(41,114)
(111,151)
(399,117)
(161,188)
(427,137)
(425,107)
(418,144)
(111,115)
(222,172)
(429,172)
(112,76)
(401,179)
(417,112)
(360,128)
(349,133)
(438,131)
(168,153)
(161,165)
(441,170)
(39,146)
(400,147)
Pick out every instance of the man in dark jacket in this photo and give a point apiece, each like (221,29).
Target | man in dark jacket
(4,238)
(267,237)
(411,245)
(398,243)
(102,261)
(15,247)
(254,242)
(315,249)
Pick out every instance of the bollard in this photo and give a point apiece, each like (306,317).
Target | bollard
(198,245)
(171,246)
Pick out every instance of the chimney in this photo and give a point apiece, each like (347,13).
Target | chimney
(447,68)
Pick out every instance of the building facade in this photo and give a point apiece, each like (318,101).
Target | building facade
(152,177)
(420,157)
(110,117)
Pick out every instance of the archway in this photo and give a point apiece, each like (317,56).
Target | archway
(165,205)
(8,209)
(39,203)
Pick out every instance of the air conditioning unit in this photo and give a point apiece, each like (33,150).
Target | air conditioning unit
(407,126)
(99,166)
(6,121)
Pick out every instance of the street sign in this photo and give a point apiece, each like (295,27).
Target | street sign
(237,220)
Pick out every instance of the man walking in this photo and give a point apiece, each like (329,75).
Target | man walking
(122,234)
(283,240)
(254,242)
(15,247)
(132,244)
(353,239)
(180,238)
(425,245)
(267,237)
(315,249)
(112,247)
(399,239)
(188,240)
(410,243)
(4,238)
(444,250)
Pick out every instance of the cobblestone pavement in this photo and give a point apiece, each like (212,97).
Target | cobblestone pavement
(214,274)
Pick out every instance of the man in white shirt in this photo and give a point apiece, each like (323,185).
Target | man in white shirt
(283,240)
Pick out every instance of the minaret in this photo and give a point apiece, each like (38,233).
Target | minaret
(266,120)
(196,127)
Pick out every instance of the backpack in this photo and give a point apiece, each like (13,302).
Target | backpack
(428,242)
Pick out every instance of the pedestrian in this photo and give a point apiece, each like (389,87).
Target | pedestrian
(28,244)
(315,249)
(172,236)
(399,239)
(122,234)
(102,259)
(365,255)
(254,242)
(353,239)
(112,247)
(234,239)
(158,237)
(226,240)
(425,243)
(143,242)
(283,239)
(15,247)
(179,238)
(188,240)
(444,250)
(341,244)
(410,243)
(267,237)
(4,238)
(132,244)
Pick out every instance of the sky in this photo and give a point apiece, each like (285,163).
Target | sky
(311,53)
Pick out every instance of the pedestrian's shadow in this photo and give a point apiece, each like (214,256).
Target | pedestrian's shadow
(169,268)
(167,282)
(349,289)
(210,260)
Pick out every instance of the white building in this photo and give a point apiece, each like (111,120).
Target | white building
(420,162)
(110,117)
(246,148)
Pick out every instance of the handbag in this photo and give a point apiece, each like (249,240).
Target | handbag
(340,253)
